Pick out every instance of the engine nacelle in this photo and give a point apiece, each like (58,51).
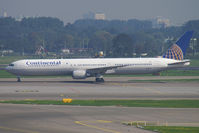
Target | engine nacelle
(79,74)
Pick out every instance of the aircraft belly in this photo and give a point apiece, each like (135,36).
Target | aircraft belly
(41,72)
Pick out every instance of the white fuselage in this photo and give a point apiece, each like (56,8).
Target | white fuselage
(68,66)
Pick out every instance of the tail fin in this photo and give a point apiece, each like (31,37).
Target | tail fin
(177,51)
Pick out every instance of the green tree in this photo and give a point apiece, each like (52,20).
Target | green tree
(122,46)
(148,43)
(101,41)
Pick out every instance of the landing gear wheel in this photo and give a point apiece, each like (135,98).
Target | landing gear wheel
(99,80)
(18,79)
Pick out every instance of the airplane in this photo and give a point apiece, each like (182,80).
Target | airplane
(97,67)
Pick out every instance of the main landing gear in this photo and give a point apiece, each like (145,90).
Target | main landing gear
(18,79)
(99,78)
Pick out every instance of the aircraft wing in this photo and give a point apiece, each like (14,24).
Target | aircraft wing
(102,70)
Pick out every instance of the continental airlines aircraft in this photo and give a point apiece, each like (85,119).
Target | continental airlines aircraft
(97,67)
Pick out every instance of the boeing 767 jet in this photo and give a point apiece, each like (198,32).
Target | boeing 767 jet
(97,67)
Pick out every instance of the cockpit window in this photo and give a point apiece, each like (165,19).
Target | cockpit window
(11,64)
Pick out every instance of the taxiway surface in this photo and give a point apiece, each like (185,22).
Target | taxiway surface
(79,119)
(113,88)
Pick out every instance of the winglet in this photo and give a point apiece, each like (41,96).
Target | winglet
(177,51)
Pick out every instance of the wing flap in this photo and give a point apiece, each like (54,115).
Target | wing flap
(102,70)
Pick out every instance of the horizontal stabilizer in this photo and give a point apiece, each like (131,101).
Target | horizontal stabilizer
(180,63)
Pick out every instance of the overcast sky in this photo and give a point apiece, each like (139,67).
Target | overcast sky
(178,11)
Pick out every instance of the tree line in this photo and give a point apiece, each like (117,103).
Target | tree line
(116,38)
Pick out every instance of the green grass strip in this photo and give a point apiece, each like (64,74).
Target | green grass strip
(4,74)
(125,103)
(165,80)
(194,63)
(172,129)
(180,73)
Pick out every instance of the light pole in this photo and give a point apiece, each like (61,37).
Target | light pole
(194,45)
(1,46)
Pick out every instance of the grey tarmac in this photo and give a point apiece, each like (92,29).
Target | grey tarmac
(113,88)
(83,119)
(77,119)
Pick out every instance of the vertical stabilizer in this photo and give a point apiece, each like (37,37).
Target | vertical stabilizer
(177,51)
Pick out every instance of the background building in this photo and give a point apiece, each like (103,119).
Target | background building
(96,16)
(160,22)
(100,16)
(5,14)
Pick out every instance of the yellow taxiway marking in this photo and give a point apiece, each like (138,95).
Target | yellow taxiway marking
(17,130)
(103,121)
(99,128)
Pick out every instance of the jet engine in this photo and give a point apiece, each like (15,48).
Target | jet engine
(79,74)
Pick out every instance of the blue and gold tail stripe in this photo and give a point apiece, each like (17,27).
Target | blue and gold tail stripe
(174,52)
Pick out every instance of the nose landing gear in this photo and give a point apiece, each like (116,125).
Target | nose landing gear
(18,79)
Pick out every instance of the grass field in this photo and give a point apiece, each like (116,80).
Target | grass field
(164,80)
(180,73)
(172,129)
(4,74)
(125,103)
(194,63)
(9,59)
